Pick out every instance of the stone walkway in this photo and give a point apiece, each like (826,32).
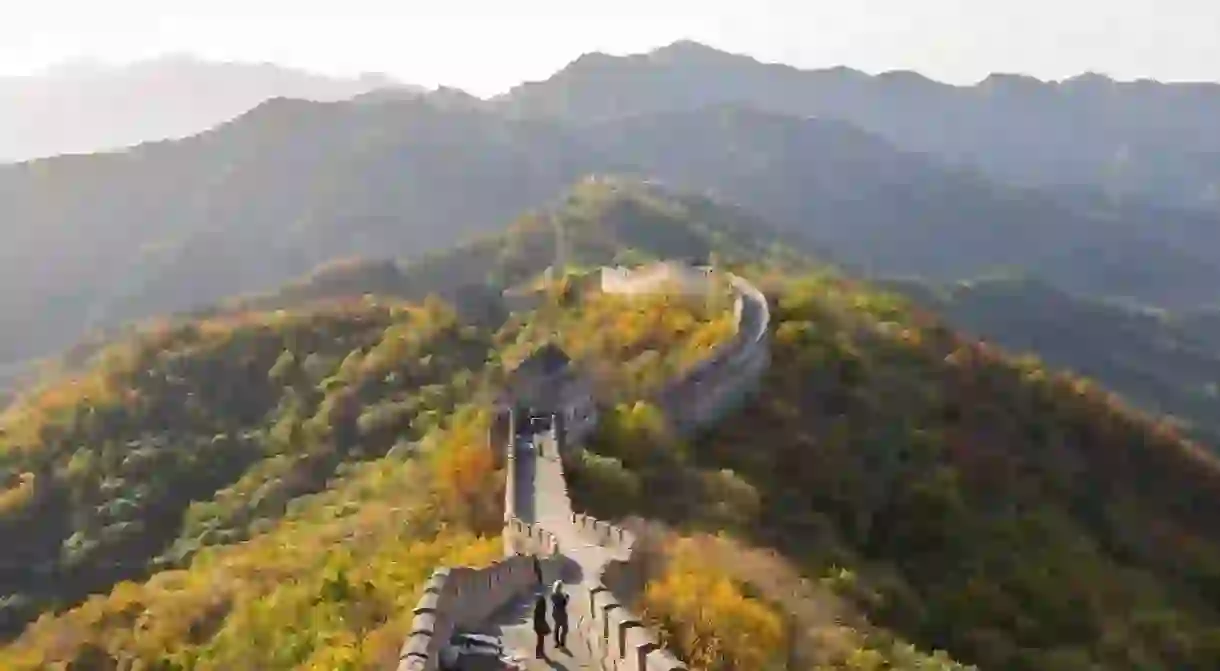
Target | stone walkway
(549,507)
(514,626)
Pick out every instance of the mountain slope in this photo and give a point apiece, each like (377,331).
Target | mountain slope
(1016,517)
(88,108)
(99,471)
(904,481)
(175,445)
(1165,362)
(1132,138)
(249,205)
(292,184)
(889,212)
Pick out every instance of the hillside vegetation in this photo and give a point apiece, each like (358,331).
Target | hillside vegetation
(1164,361)
(1016,517)
(606,220)
(176,445)
(238,414)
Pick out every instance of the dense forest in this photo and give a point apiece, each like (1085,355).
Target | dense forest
(1165,361)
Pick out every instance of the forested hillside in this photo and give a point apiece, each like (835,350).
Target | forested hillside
(1167,362)
(1017,517)
(197,435)
(277,484)
(200,433)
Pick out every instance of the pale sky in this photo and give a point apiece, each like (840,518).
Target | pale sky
(486,46)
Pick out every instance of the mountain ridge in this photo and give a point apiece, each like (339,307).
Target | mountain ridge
(290,184)
(1015,128)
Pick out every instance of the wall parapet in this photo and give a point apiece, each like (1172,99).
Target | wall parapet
(459,597)
(456,598)
(612,634)
(603,533)
(531,539)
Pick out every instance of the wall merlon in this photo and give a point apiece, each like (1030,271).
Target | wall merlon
(638,644)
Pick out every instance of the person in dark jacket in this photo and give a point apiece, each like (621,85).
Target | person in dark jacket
(541,628)
(559,611)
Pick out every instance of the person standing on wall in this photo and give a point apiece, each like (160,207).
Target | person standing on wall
(541,628)
(559,611)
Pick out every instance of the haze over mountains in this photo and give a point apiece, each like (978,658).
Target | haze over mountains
(892,175)
(86,107)
(1138,139)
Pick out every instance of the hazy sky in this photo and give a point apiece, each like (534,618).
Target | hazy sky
(485,46)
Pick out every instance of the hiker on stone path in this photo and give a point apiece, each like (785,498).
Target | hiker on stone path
(559,611)
(541,628)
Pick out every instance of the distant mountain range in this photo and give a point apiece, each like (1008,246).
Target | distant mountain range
(1142,139)
(85,107)
(398,173)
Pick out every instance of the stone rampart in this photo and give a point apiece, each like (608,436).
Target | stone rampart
(610,633)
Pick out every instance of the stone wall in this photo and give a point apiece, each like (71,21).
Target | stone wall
(722,382)
(457,598)
(609,632)
(460,597)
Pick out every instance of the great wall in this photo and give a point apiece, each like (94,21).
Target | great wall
(589,555)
